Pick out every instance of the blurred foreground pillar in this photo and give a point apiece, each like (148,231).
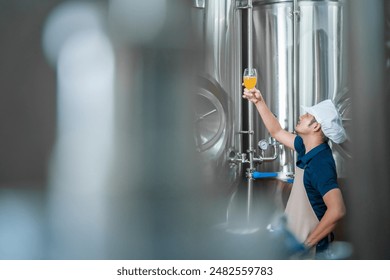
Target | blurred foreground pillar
(368,193)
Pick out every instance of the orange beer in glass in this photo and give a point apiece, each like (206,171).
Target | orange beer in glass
(250,78)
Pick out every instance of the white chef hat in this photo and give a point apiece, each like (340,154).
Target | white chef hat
(327,115)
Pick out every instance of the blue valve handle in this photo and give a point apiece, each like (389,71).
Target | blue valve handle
(260,175)
(264,175)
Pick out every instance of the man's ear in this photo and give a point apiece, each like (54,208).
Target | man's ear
(317,127)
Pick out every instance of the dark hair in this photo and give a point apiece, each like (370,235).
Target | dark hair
(324,138)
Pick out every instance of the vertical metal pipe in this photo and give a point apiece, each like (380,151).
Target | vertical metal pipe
(295,69)
(250,34)
(250,111)
(238,86)
(295,81)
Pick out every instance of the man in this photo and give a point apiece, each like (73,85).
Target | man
(315,204)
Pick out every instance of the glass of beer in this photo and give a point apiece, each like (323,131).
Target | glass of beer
(250,78)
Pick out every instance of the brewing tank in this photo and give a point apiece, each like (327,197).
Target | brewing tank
(300,57)
(217,106)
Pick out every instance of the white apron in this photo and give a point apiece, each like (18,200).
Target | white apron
(301,219)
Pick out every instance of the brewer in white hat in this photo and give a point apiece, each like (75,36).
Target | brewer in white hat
(315,204)
(326,114)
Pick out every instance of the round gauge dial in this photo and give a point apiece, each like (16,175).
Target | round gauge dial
(263,144)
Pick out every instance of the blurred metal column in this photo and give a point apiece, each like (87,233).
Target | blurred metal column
(158,205)
(368,193)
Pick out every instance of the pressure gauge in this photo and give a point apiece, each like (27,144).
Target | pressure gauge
(263,144)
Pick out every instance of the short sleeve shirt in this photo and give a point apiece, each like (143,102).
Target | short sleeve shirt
(320,174)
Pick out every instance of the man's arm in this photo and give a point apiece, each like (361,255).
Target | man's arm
(269,120)
(335,212)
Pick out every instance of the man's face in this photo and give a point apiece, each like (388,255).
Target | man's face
(304,123)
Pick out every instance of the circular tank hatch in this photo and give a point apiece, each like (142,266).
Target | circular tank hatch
(210,121)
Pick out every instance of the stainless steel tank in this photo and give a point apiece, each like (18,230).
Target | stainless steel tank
(299,54)
(218,92)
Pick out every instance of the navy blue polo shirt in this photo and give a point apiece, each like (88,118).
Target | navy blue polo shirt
(320,174)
